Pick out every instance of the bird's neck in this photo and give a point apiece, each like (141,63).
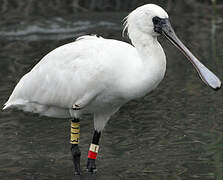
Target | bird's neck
(148,48)
(153,61)
(143,42)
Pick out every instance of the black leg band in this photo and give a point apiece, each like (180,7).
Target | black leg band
(93,151)
(96,137)
(76,153)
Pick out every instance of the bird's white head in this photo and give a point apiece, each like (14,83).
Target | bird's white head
(141,19)
(145,23)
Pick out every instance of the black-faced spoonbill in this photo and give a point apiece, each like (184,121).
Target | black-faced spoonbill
(96,75)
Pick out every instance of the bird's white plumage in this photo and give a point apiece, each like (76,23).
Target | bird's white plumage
(99,75)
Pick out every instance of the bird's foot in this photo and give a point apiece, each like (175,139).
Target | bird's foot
(77,169)
(76,159)
(91,166)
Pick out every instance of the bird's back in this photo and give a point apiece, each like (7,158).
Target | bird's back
(63,76)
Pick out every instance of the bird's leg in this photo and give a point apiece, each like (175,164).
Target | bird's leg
(74,140)
(84,101)
(93,151)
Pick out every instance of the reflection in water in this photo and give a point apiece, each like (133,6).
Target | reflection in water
(213,29)
(214,150)
(215,147)
(55,28)
(172,134)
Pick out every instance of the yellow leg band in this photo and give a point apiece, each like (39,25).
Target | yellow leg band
(75,133)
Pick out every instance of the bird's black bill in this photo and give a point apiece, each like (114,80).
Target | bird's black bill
(206,75)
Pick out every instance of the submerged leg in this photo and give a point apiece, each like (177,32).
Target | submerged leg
(93,151)
(74,140)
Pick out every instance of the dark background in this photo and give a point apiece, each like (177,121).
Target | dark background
(10,9)
(175,133)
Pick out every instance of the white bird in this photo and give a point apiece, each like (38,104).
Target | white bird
(96,75)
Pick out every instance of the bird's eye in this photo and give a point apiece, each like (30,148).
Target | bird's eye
(156,20)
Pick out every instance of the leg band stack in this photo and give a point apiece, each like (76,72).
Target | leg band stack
(75,133)
(93,151)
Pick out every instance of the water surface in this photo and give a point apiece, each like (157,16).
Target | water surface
(174,133)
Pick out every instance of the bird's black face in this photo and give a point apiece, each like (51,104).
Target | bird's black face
(158,24)
(162,26)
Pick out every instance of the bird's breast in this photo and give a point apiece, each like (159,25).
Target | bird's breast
(144,78)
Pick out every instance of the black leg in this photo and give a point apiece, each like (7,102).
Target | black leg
(74,140)
(93,151)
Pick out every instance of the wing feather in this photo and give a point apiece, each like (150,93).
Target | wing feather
(69,73)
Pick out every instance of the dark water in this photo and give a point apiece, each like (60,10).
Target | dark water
(175,133)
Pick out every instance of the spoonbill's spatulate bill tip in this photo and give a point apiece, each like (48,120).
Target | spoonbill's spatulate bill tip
(96,75)
(218,87)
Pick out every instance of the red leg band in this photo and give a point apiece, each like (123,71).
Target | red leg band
(92,155)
